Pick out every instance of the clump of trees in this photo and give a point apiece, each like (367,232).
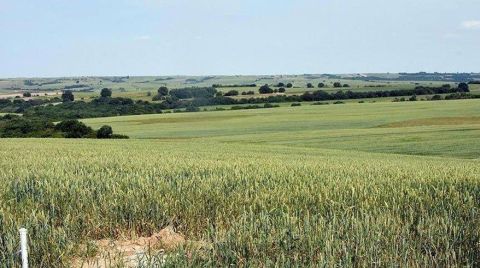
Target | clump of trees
(162,92)
(337,84)
(248,92)
(231,93)
(14,126)
(265,89)
(67,96)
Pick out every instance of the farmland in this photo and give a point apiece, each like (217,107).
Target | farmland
(355,184)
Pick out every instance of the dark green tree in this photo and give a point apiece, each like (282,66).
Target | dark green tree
(265,89)
(105,132)
(163,91)
(106,93)
(67,96)
(463,87)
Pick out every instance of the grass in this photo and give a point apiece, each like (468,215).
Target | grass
(291,186)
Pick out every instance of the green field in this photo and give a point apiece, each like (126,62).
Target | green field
(443,128)
(350,185)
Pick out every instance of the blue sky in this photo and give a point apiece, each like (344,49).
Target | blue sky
(200,37)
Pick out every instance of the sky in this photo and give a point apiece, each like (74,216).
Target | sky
(52,38)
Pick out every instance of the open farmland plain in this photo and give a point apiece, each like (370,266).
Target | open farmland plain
(356,184)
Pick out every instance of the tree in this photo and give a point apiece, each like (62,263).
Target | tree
(231,93)
(337,84)
(413,98)
(463,87)
(163,91)
(74,129)
(106,93)
(309,85)
(265,89)
(320,85)
(67,96)
(281,84)
(105,132)
(346,85)
(281,90)
(289,85)
(27,94)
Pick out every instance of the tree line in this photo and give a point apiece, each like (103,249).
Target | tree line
(14,126)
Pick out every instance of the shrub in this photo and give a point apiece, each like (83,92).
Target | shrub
(106,93)
(309,85)
(320,85)
(281,90)
(265,89)
(74,129)
(231,93)
(162,91)
(296,104)
(463,87)
(289,85)
(67,96)
(105,132)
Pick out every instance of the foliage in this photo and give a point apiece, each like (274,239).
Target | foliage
(67,96)
(106,93)
(187,93)
(105,132)
(265,89)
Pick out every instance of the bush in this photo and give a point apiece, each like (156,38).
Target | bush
(192,109)
(67,96)
(231,93)
(265,89)
(320,85)
(27,94)
(309,85)
(74,129)
(281,90)
(106,93)
(296,104)
(463,87)
(289,85)
(105,132)
(337,84)
(162,91)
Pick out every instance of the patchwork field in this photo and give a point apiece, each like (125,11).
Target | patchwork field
(357,184)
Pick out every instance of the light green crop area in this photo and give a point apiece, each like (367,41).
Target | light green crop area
(443,128)
(348,185)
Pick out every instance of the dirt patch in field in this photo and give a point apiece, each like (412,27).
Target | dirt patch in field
(435,121)
(130,253)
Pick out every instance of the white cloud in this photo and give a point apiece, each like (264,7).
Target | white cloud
(471,24)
